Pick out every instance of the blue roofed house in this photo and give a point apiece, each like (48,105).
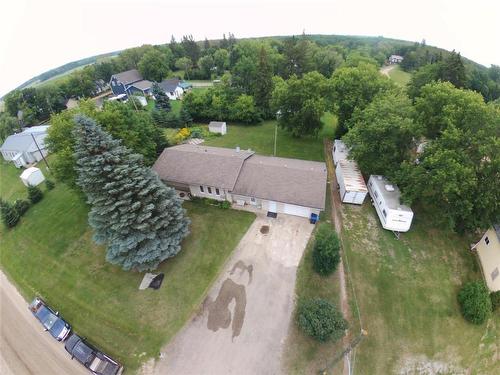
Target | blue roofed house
(129,82)
(173,88)
(27,147)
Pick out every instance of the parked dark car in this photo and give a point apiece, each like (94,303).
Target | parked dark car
(96,361)
(50,319)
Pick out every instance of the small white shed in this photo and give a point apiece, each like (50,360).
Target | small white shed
(217,127)
(340,151)
(352,187)
(32,176)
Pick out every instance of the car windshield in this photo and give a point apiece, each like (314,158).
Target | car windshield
(49,320)
(57,328)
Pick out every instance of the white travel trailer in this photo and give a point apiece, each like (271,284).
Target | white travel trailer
(352,187)
(340,151)
(386,198)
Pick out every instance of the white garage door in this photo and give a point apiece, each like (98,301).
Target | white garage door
(291,209)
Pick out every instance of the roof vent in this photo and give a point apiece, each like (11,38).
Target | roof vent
(389,187)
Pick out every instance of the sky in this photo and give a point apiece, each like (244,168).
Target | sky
(38,35)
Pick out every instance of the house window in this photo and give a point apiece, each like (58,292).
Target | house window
(217,191)
(494,274)
(385,213)
(209,190)
(201,189)
(487,240)
(252,199)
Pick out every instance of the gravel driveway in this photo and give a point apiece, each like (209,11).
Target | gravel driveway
(242,324)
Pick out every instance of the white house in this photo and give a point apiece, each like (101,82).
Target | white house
(32,176)
(276,185)
(173,88)
(26,147)
(395,59)
(340,151)
(488,252)
(352,187)
(217,127)
(386,198)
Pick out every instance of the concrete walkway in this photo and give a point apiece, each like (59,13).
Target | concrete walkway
(243,323)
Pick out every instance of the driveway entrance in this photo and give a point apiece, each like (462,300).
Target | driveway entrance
(243,322)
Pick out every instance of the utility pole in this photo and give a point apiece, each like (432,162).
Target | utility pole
(40,151)
(275,137)
(346,351)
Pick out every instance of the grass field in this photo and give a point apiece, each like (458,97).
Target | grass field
(174,104)
(260,138)
(407,296)
(50,252)
(399,76)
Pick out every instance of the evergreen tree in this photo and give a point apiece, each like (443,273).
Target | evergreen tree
(264,84)
(185,117)
(454,70)
(34,194)
(139,218)
(10,216)
(162,102)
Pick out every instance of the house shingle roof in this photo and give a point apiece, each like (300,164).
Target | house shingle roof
(284,180)
(292,181)
(129,76)
(143,85)
(169,85)
(23,142)
(201,165)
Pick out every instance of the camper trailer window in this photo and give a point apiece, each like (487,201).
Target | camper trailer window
(217,192)
(201,189)
(375,193)
(209,190)
(385,213)
(487,240)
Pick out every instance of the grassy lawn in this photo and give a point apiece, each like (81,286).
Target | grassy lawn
(260,138)
(11,186)
(407,295)
(399,76)
(51,253)
(174,104)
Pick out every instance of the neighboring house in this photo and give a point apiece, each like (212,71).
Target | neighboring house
(395,59)
(386,198)
(172,87)
(277,185)
(128,82)
(217,127)
(488,252)
(26,147)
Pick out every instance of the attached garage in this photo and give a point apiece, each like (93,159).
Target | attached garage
(292,209)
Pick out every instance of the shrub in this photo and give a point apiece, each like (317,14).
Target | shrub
(326,250)
(225,205)
(495,300)
(50,184)
(321,320)
(475,302)
(21,206)
(34,194)
(10,216)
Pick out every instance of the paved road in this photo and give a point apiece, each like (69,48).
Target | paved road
(25,348)
(243,323)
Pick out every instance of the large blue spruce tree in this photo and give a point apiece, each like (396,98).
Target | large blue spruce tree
(139,218)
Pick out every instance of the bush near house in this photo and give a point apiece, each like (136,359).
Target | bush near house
(475,302)
(49,184)
(35,195)
(495,300)
(326,250)
(321,319)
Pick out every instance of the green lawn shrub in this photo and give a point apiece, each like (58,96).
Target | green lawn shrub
(49,184)
(475,302)
(35,195)
(321,319)
(326,250)
(10,216)
(21,206)
(495,300)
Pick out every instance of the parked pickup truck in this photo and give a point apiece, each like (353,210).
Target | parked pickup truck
(94,360)
(50,319)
